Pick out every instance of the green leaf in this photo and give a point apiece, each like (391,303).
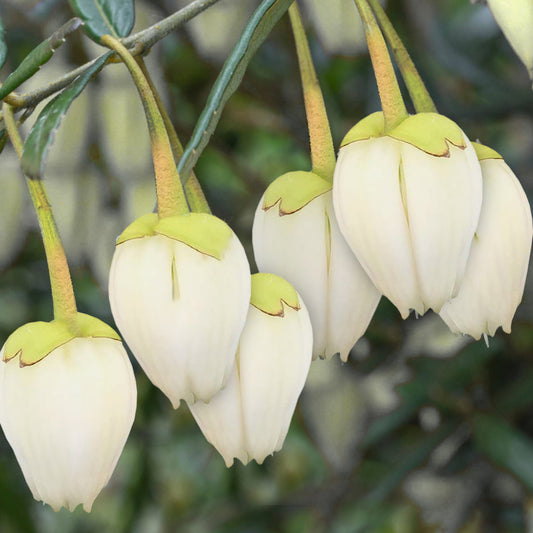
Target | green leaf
(508,447)
(37,57)
(3,46)
(101,17)
(256,31)
(42,133)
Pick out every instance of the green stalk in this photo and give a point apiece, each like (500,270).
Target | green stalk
(392,102)
(193,189)
(322,150)
(60,281)
(171,198)
(417,90)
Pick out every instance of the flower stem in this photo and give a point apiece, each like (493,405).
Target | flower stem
(322,150)
(171,198)
(193,189)
(417,90)
(61,283)
(389,92)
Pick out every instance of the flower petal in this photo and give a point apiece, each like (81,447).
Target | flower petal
(496,272)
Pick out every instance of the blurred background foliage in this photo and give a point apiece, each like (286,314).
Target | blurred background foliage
(421,430)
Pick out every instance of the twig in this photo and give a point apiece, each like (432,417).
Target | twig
(140,42)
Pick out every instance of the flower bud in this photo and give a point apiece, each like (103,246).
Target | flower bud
(67,404)
(250,418)
(179,289)
(497,267)
(515,19)
(296,235)
(408,202)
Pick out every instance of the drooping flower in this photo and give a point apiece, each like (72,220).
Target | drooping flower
(250,418)
(296,235)
(67,404)
(496,271)
(408,202)
(515,18)
(179,289)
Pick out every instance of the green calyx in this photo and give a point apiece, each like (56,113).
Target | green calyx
(34,341)
(484,152)
(429,132)
(367,128)
(205,233)
(270,294)
(294,190)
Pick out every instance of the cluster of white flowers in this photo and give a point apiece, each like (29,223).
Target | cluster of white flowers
(436,222)
(433,222)
(416,213)
(235,347)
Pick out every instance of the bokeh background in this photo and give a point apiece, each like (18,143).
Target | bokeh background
(421,430)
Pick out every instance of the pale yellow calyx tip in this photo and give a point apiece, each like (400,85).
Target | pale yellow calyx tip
(142,227)
(293,191)
(484,152)
(367,128)
(270,293)
(429,132)
(205,233)
(34,341)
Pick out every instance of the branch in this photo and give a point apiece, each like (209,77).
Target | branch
(139,42)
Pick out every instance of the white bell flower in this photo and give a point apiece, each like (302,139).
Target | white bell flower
(250,418)
(408,202)
(515,18)
(179,289)
(296,235)
(496,272)
(67,404)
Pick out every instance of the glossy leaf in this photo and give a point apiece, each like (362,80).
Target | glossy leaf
(256,31)
(506,446)
(42,133)
(3,46)
(101,17)
(38,57)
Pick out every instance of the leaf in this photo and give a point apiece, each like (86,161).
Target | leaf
(505,445)
(42,133)
(256,31)
(101,17)
(3,46)
(38,57)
